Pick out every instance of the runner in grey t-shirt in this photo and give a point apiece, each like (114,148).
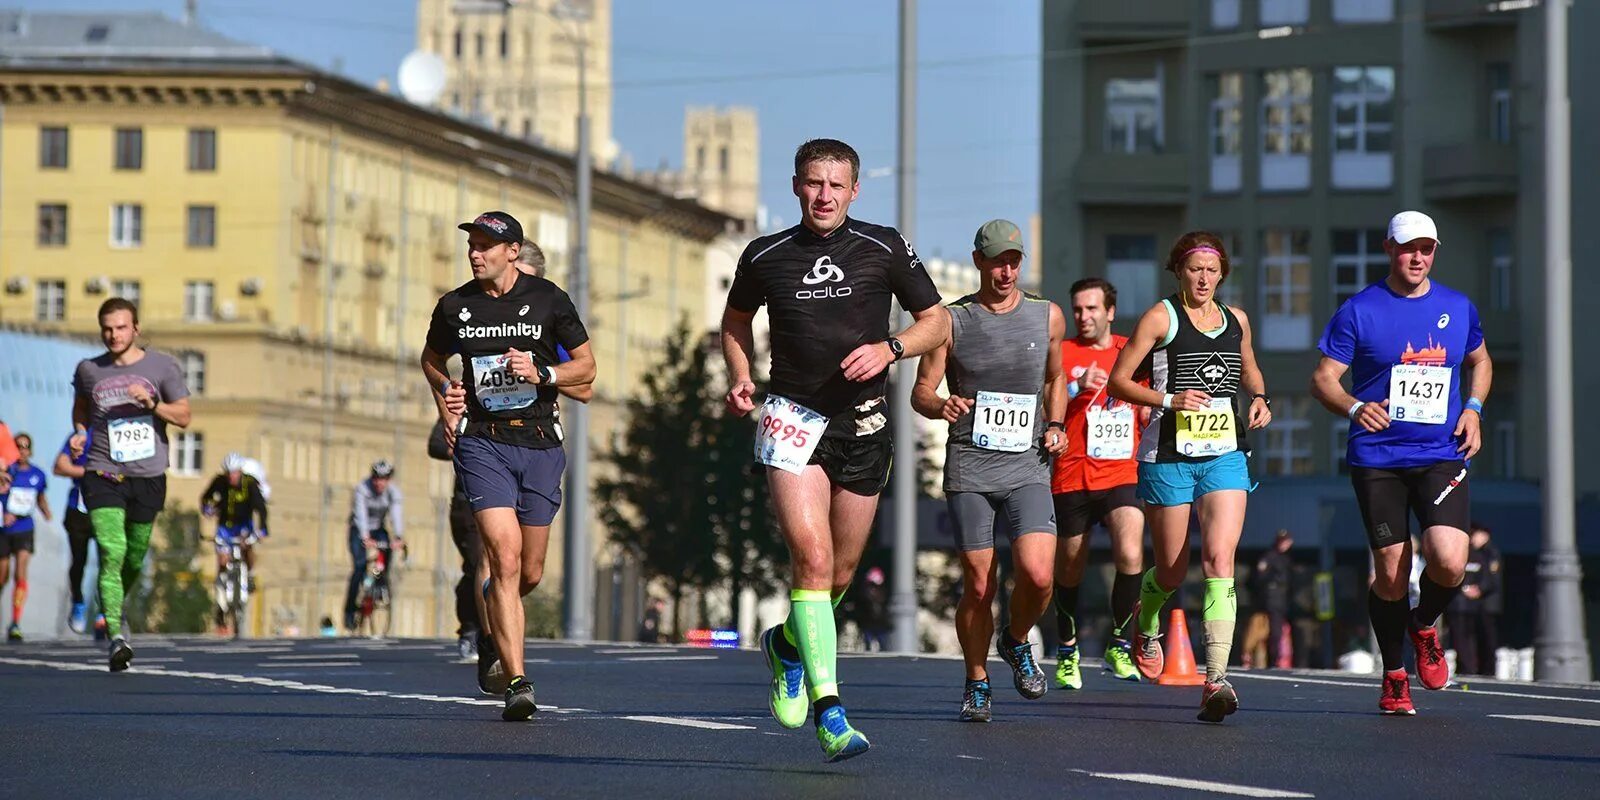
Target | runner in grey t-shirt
(1008,397)
(128,396)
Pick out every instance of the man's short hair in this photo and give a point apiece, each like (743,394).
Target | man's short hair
(827,150)
(532,256)
(116,304)
(1102,284)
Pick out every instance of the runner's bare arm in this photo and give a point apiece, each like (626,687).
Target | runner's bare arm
(66,469)
(1251,379)
(1328,391)
(738,348)
(174,413)
(437,372)
(1152,327)
(582,393)
(1469,426)
(1055,378)
(925,399)
(578,371)
(929,328)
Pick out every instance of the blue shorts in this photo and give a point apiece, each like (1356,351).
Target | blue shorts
(1177,483)
(497,475)
(226,535)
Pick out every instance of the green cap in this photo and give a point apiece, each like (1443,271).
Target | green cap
(997,236)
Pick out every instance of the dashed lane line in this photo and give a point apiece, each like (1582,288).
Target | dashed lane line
(1192,784)
(1587,723)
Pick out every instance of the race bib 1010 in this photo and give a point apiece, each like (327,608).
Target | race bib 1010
(132,438)
(1209,431)
(787,433)
(1004,421)
(1419,393)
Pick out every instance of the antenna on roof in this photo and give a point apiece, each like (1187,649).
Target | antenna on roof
(191,12)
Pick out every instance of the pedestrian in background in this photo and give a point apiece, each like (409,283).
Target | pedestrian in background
(1274,590)
(1473,618)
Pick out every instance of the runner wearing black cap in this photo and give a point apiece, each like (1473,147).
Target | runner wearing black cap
(506,325)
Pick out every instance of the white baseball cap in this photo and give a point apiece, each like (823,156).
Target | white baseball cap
(1408,225)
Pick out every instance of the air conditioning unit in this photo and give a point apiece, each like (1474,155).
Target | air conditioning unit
(96,285)
(374,270)
(250,287)
(16,285)
(227,311)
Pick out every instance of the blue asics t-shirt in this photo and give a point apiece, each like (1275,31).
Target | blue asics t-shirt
(22,500)
(1377,330)
(75,494)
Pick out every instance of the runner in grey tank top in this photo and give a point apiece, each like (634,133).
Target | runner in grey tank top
(1007,399)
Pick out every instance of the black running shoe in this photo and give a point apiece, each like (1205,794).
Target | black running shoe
(491,674)
(1025,673)
(519,701)
(121,654)
(975,702)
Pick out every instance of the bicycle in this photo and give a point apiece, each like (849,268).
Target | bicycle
(233,584)
(376,595)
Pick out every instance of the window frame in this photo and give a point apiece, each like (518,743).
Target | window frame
(192,310)
(203,158)
(1127,109)
(1286,167)
(126,219)
(119,147)
(1286,449)
(193,214)
(1363,259)
(50,300)
(61,228)
(1226,167)
(46,134)
(1275,333)
(193,365)
(188,453)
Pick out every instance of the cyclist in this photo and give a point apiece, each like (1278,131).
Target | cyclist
(236,500)
(20,500)
(375,516)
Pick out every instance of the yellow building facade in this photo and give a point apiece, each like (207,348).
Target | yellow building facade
(223,194)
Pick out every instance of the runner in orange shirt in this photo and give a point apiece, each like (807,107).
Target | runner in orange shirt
(1095,482)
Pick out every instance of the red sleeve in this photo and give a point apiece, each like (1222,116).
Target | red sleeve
(8,447)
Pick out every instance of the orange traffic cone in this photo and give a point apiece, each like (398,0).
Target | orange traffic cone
(1180,669)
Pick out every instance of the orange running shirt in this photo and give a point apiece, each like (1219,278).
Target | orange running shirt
(1074,470)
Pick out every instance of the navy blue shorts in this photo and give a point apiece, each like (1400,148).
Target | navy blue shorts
(497,475)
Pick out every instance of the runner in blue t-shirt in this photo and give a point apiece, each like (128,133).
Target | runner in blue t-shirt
(20,501)
(1405,342)
(80,531)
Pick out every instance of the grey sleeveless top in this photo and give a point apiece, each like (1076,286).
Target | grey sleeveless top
(991,352)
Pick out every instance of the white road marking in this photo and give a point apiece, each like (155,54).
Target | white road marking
(669,658)
(692,723)
(1374,684)
(315,657)
(970,758)
(298,664)
(1587,723)
(1190,783)
(636,651)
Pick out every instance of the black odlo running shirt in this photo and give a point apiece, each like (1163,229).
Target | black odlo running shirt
(827,296)
(534,317)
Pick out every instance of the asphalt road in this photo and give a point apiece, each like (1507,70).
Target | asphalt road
(201,717)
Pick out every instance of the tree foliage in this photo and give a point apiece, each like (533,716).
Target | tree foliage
(174,596)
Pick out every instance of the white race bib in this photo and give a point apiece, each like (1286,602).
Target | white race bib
(1004,421)
(1419,394)
(1208,432)
(22,501)
(787,433)
(498,388)
(132,438)
(81,507)
(1110,433)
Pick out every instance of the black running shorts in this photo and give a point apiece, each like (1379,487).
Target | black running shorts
(1437,494)
(1077,512)
(859,465)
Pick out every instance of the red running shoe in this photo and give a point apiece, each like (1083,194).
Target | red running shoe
(1432,670)
(1217,700)
(1396,699)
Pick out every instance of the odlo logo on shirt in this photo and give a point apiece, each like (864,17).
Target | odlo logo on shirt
(824,272)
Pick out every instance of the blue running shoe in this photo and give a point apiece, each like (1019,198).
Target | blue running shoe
(788,697)
(839,740)
(79,622)
(976,701)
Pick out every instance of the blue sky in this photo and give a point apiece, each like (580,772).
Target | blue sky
(824,70)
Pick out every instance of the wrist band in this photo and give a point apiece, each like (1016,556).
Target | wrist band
(1475,404)
(444,386)
(1073,389)
(547,375)
(1166,401)
(1355,409)
(1056,424)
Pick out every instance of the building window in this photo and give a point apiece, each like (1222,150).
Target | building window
(1224,14)
(1286,129)
(1231,291)
(52,224)
(1285,12)
(1505,448)
(1499,77)
(1227,95)
(1287,447)
(722,160)
(1131,267)
(202,150)
(457,44)
(127,225)
(51,298)
(505,43)
(527,128)
(1363,127)
(1338,447)
(1358,11)
(202,226)
(129,148)
(126,288)
(52,148)
(1358,262)
(1502,289)
(1133,115)
(194,371)
(188,453)
(198,300)
(478,40)
(1285,290)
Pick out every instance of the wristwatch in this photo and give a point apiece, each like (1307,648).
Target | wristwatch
(1265,398)
(896,347)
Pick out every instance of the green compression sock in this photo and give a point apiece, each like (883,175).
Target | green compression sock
(110,534)
(788,627)
(1220,615)
(138,546)
(811,617)
(1151,598)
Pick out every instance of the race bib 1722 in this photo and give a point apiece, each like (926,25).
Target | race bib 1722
(1209,431)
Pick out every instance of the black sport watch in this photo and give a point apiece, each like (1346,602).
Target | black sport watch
(1265,398)
(896,347)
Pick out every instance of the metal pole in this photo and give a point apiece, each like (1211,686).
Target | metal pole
(397,397)
(903,599)
(325,465)
(1562,652)
(578,597)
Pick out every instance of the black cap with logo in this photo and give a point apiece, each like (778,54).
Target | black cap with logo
(496,225)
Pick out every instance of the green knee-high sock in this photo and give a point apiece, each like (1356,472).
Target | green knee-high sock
(788,624)
(1151,598)
(811,617)
(1221,612)
(138,546)
(110,533)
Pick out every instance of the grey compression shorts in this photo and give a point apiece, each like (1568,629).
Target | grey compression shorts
(1023,510)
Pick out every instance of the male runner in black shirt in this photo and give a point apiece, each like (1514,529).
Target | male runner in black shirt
(823,431)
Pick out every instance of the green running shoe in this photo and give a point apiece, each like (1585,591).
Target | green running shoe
(788,698)
(1119,660)
(839,740)
(1068,676)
